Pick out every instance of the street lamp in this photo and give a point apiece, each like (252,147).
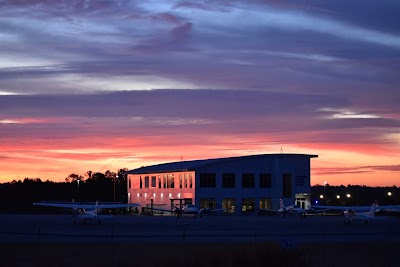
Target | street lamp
(78,189)
(321,196)
(337,196)
(389,193)
(348,195)
(114,185)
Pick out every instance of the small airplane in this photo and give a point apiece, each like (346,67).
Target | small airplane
(86,211)
(340,208)
(351,215)
(189,209)
(289,210)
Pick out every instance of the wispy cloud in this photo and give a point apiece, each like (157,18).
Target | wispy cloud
(172,79)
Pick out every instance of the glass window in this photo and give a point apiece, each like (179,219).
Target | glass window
(171,183)
(208,203)
(228,180)
(265,180)
(146,181)
(207,180)
(248,204)
(248,180)
(287,185)
(185,184)
(228,204)
(266,203)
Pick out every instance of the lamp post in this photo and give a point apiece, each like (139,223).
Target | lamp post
(115,177)
(78,189)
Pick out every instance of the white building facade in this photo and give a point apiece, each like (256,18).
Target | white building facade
(237,184)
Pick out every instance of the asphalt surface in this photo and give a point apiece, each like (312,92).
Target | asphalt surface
(289,231)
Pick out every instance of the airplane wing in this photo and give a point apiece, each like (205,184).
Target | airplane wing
(312,210)
(85,206)
(393,208)
(159,209)
(341,208)
(204,210)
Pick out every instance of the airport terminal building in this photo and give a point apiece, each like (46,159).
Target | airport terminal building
(238,184)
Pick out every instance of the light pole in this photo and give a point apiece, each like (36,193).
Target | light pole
(115,177)
(78,189)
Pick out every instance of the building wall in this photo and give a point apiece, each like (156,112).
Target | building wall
(160,196)
(297,166)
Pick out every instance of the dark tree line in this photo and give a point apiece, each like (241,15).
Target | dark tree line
(18,196)
(355,195)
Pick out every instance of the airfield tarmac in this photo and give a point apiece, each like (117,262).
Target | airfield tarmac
(317,238)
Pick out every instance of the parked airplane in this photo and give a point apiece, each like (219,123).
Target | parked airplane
(351,215)
(189,209)
(340,208)
(84,211)
(291,210)
(288,210)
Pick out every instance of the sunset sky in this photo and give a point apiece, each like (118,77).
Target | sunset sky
(107,84)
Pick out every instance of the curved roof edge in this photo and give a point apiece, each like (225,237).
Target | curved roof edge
(191,165)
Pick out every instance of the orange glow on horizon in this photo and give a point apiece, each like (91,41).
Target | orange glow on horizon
(56,159)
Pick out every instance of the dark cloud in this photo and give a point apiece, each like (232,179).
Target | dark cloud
(356,169)
(166,17)
(203,103)
(182,31)
(378,15)
(286,118)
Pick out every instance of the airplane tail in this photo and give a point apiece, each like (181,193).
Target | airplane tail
(95,209)
(281,206)
(372,210)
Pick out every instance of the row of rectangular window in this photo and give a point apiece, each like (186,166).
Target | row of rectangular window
(208,180)
(166,181)
(232,204)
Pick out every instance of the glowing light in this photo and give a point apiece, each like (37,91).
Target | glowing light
(162,194)
(137,194)
(179,195)
(338,196)
(145,194)
(348,195)
(389,194)
(170,195)
(321,196)
(154,194)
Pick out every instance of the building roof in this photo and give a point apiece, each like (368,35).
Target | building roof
(191,165)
